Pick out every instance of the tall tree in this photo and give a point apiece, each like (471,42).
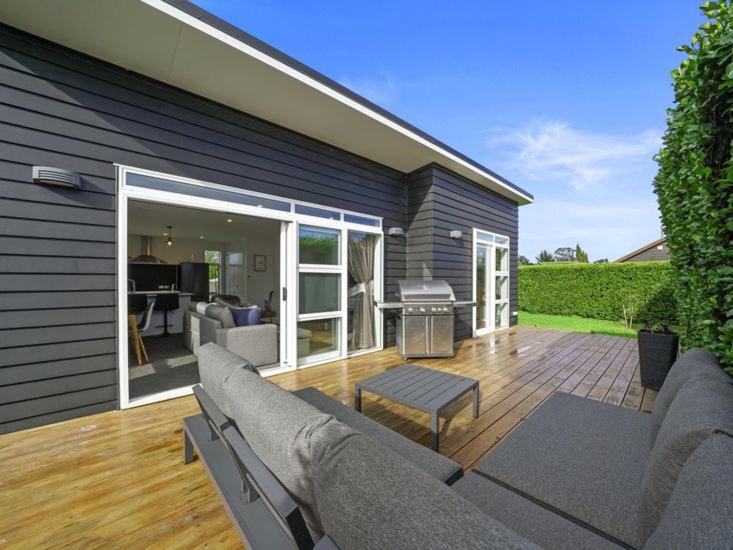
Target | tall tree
(565,254)
(544,257)
(580,255)
(523,260)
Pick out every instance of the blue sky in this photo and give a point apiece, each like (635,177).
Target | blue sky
(565,98)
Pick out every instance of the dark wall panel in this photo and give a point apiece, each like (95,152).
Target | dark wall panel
(440,201)
(57,247)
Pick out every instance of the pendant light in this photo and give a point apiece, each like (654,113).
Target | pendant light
(169,242)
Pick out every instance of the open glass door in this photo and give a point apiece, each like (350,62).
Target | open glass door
(491,282)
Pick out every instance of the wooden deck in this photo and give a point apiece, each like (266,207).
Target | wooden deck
(117,479)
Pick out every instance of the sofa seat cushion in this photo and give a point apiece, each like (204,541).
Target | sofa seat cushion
(435,464)
(695,362)
(370,497)
(523,516)
(701,507)
(581,458)
(276,424)
(702,407)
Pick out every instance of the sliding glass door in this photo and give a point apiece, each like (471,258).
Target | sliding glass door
(491,281)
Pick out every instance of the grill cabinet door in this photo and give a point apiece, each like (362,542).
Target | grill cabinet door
(415,337)
(441,335)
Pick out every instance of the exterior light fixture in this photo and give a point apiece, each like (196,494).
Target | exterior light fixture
(57,177)
(396,232)
(455,234)
(169,242)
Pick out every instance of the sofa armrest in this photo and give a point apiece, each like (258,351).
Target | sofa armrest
(256,343)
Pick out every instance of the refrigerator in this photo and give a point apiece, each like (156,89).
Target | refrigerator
(193,277)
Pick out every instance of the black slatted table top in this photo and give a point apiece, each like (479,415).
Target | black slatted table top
(419,387)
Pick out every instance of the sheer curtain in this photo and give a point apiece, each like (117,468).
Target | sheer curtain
(361,293)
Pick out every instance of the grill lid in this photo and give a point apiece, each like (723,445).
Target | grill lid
(414,290)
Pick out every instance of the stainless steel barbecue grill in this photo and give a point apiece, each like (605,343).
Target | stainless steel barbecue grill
(425,318)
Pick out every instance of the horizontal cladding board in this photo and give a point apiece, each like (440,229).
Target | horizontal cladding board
(52,352)
(55,64)
(17,227)
(103,119)
(57,416)
(51,133)
(55,317)
(23,301)
(55,283)
(62,248)
(56,386)
(45,405)
(20,338)
(56,213)
(44,264)
(21,188)
(56,369)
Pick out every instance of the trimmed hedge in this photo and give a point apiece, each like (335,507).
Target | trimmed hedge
(599,291)
(694,185)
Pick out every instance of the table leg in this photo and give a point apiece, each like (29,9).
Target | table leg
(475,402)
(187,448)
(357,398)
(435,430)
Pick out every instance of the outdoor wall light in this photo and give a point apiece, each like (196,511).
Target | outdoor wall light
(396,232)
(455,234)
(58,177)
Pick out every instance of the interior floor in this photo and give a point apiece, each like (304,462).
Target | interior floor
(171,366)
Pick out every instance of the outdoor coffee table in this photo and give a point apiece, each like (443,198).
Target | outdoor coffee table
(421,388)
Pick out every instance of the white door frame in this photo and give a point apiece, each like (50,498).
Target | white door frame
(288,264)
(491,241)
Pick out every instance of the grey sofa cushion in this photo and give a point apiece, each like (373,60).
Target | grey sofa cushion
(279,428)
(216,366)
(221,314)
(583,458)
(256,343)
(540,525)
(428,461)
(695,362)
(369,497)
(701,507)
(703,405)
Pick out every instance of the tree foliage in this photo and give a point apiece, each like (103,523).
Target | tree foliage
(545,256)
(523,260)
(580,255)
(600,291)
(694,184)
(565,254)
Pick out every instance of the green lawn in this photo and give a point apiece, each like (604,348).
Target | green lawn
(575,324)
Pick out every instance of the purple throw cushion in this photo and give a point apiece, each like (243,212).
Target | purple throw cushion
(245,316)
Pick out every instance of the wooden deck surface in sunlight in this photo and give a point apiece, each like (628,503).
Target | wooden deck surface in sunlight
(117,479)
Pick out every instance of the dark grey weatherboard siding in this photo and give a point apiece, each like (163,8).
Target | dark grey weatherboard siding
(57,248)
(440,201)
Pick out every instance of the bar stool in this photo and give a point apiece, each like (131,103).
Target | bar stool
(138,303)
(166,303)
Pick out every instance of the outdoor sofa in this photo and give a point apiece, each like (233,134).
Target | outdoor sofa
(301,470)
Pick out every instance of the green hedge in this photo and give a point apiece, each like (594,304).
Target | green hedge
(599,291)
(695,185)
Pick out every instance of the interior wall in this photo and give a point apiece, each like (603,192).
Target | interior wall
(183,250)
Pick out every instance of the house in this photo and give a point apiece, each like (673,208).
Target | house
(654,251)
(151,153)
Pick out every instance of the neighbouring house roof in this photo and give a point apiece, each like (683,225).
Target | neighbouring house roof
(180,44)
(651,251)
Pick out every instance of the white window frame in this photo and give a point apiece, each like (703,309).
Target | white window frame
(489,240)
(288,265)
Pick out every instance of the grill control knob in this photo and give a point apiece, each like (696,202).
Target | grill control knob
(422,310)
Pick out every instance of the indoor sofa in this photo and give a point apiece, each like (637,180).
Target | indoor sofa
(303,470)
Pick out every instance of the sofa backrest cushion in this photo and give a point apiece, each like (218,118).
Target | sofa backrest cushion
(702,407)
(695,362)
(369,497)
(221,314)
(278,426)
(216,366)
(700,509)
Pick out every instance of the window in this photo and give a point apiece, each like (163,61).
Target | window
(319,246)
(213,258)
(491,281)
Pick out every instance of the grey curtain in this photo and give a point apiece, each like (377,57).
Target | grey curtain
(361,294)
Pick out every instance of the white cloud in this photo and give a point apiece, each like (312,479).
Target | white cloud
(554,150)
(381,88)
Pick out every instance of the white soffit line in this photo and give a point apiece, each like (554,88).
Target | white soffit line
(165,42)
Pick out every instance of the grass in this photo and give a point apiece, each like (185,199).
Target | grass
(576,324)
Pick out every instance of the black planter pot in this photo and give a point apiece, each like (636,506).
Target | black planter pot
(657,353)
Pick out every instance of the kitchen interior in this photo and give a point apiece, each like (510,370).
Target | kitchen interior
(178,256)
